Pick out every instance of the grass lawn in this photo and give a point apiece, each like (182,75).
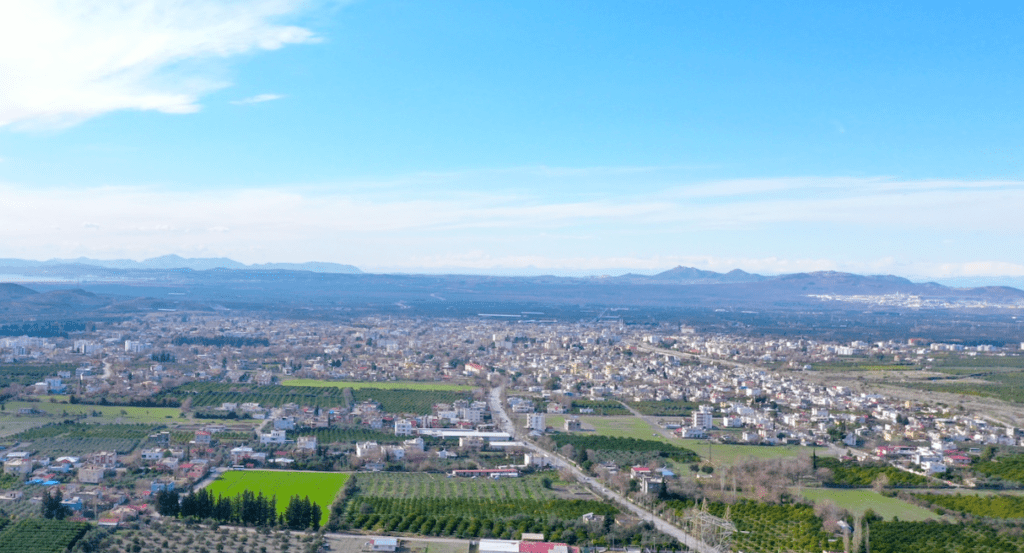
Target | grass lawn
(321,487)
(858,501)
(625,427)
(128,415)
(729,454)
(437,386)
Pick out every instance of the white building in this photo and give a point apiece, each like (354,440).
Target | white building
(276,437)
(365,449)
(702,418)
(403,427)
(535,421)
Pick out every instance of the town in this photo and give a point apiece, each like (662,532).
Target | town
(116,417)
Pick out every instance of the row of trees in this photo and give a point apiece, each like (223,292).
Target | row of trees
(246,508)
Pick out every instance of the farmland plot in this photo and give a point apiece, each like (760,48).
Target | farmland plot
(434,505)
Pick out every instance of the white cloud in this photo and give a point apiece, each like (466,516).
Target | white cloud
(259,98)
(62,62)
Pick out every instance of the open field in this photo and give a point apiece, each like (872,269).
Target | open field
(321,487)
(111,413)
(355,385)
(624,427)
(729,454)
(13,424)
(616,426)
(858,501)
(910,385)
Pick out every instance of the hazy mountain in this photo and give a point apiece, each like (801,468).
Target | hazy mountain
(170,262)
(10,291)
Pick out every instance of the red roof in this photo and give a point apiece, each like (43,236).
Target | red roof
(538,546)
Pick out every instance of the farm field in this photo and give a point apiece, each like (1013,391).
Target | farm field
(994,506)
(623,451)
(941,537)
(321,487)
(13,424)
(111,413)
(37,535)
(355,385)
(174,537)
(767,528)
(624,427)
(729,454)
(420,402)
(435,505)
(858,501)
(77,439)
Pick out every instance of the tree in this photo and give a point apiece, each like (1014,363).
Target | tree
(52,507)
(167,503)
(314,516)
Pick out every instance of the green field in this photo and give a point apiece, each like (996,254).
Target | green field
(435,505)
(146,415)
(858,501)
(321,487)
(14,424)
(729,454)
(435,386)
(624,427)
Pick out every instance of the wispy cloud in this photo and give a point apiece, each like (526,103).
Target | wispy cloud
(63,62)
(259,98)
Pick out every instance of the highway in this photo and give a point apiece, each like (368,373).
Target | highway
(503,420)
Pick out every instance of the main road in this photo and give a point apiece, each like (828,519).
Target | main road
(558,461)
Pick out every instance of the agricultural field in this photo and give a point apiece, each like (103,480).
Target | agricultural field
(600,407)
(942,537)
(177,537)
(321,487)
(664,408)
(622,427)
(859,501)
(419,402)
(77,439)
(1004,385)
(211,394)
(1008,467)
(355,385)
(622,450)
(108,413)
(851,474)
(767,528)
(727,455)
(13,424)
(994,506)
(436,505)
(36,535)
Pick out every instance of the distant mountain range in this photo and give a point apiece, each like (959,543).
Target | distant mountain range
(169,262)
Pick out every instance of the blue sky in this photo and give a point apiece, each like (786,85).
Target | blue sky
(574,137)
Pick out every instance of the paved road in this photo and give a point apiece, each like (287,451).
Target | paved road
(497,408)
